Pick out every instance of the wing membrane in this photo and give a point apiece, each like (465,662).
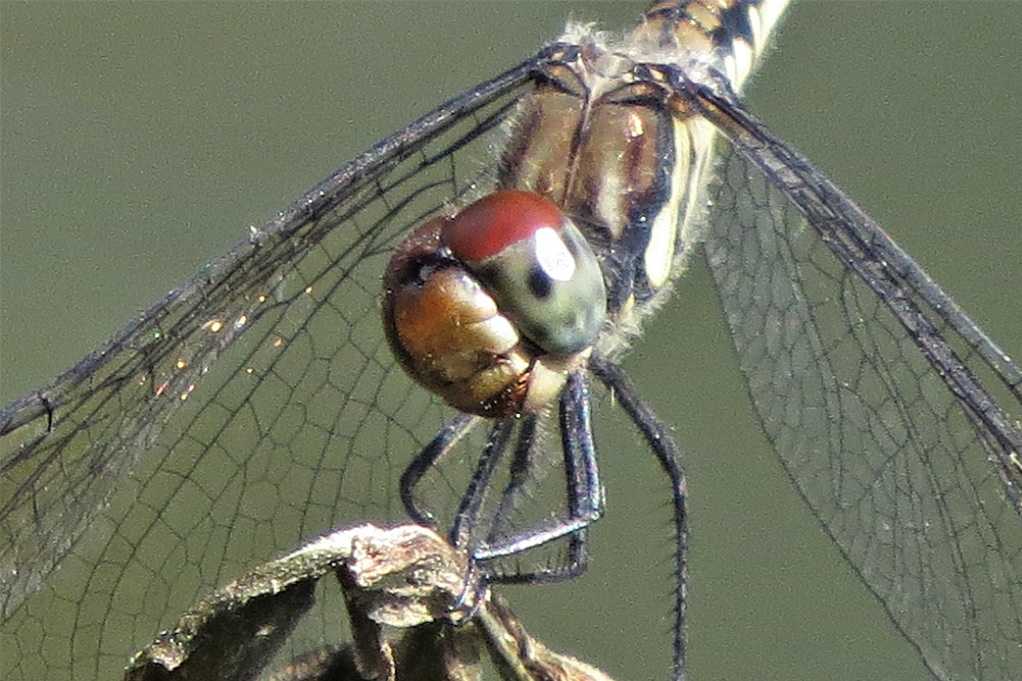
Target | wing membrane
(893,414)
(253,407)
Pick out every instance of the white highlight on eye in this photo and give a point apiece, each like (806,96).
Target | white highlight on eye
(553,255)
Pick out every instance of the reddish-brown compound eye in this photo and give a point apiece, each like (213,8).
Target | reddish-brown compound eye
(460,329)
(536,264)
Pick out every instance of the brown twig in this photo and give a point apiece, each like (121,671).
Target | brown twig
(400,585)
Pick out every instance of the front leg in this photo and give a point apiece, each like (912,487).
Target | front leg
(583,489)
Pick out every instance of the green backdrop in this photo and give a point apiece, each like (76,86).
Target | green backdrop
(140,140)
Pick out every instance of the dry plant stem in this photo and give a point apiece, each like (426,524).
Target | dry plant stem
(399,586)
(521,657)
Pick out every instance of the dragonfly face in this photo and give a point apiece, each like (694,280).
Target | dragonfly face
(491,307)
(777,107)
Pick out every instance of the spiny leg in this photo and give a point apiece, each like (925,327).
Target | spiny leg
(442,443)
(583,489)
(516,491)
(466,519)
(666,450)
(464,529)
(520,472)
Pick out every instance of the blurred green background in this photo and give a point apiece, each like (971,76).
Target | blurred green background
(140,140)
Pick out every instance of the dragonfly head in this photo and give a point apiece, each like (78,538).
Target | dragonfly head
(492,307)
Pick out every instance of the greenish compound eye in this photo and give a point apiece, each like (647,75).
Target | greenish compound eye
(537,266)
(492,308)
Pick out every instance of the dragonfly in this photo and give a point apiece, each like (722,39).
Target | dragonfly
(609,487)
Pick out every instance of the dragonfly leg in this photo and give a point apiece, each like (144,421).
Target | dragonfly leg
(659,439)
(584,493)
(520,473)
(466,520)
(439,446)
(516,492)
(462,535)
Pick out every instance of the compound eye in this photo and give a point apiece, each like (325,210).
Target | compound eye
(537,266)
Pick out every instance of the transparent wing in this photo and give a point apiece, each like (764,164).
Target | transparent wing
(893,414)
(254,407)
